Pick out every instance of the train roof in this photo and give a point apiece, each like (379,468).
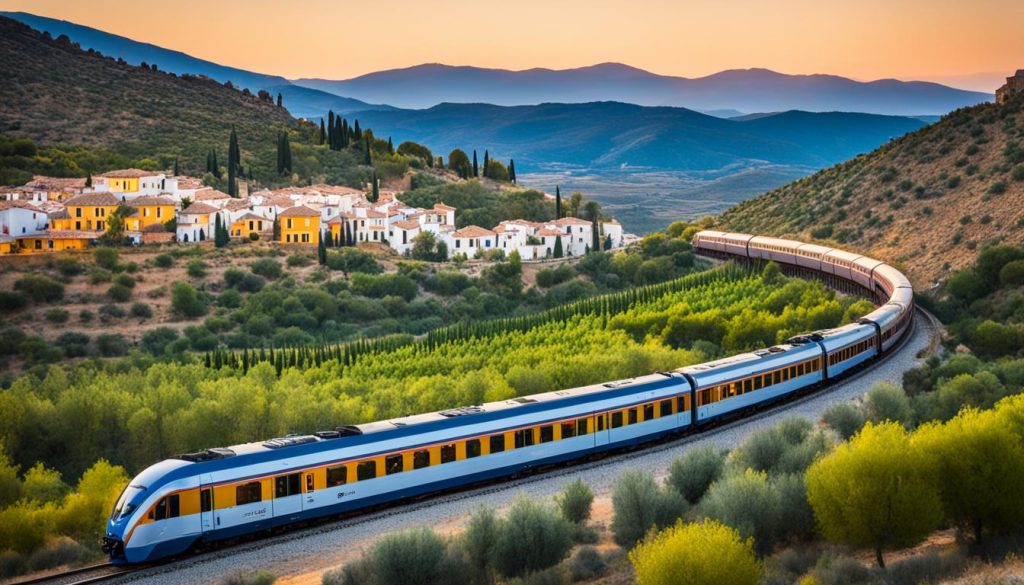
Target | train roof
(815,249)
(740,359)
(843,255)
(791,244)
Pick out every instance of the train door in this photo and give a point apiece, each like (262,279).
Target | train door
(206,511)
(602,434)
(309,484)
(287,494)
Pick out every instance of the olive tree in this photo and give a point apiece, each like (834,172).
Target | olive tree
(708,553)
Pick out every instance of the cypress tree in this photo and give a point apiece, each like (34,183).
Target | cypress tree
(558,247)
(595,236)
(391,147)
(512,170)
(88,180)
(357,134)
(287,152)
(322,131)
(345,130)
(279,100)
(330,128)
(476,170)
(558,203)
(280,153)
(367,158)
(375,189)
(487,160)
(176,171)
(234,161)
(321,251)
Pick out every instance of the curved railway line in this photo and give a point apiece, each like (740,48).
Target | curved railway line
(168,572)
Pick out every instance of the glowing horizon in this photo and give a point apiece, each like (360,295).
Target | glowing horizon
(973,47)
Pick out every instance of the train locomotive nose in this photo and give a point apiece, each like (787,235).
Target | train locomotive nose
(113,547)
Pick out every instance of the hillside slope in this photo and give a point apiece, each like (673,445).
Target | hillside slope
(57,94)
(613,134)
(926,201)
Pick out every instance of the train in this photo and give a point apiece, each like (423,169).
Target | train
(195,499)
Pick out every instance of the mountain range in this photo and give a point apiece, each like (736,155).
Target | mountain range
(422,86)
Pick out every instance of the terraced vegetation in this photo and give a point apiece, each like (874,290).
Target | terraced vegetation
(133,411)
(926,201)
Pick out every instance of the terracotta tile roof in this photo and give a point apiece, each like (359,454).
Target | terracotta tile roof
(129,174)
(371,214)
(571,221)
(252,216)
(407,224)
(335,189)
(150,200)
(94,199)
(186,182)
(199,208)
(473,231)
(61,214)
(238,204)
(443,207)
(341,214)
(394,213)
(55,183)
(550,232)
(499,229)
(19,204)
(210,194)
(300,211)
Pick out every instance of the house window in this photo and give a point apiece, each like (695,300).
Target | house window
(78,212)
(458,243)
(159,212)
(307,222)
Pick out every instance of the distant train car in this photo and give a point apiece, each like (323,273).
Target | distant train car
(221,493)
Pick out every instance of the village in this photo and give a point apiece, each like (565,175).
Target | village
(51,214)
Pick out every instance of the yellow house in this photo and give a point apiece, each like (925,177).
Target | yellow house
(299,225)
(86,212)
(124,180)
(250,223)
(57,240)
(6,244)
(149,210)
(335,225)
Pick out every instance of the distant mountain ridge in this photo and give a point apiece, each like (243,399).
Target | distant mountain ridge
(614,134)
(301,102)
(744,90)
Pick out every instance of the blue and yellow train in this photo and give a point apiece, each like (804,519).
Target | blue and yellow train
(221,493)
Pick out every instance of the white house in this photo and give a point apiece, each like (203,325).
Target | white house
(19,218)
(580,232)
(612,229)
(402,233)
(471,239)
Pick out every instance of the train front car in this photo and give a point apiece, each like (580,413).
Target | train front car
(152,517)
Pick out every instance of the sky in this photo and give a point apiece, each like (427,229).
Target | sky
(972,44)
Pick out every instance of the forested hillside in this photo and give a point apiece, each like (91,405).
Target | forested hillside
(927,201)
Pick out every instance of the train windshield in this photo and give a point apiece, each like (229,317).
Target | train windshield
(123,507)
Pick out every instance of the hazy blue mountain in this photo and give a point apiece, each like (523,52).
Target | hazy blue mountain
(300,101)
(746,90)
(615,135)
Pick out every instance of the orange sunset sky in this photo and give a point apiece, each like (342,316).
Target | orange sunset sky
(965,43)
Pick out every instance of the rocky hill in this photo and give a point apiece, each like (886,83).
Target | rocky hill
(926,201)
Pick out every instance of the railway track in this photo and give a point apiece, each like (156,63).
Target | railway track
(107,572)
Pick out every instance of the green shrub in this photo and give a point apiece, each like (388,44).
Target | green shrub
(843,418)
(163,261)
(186,302)
(243,281)
(73,343)
(478,542)
(124,280)
(779,449)
(156,341)
(111,344)
(267,268)
(887,402)
(299,259)
(57,315)
(412,557)
(112,311)
(69,267)
(85,316)
(639,505)
(196,268)
(841,570)
(1018,173)
(118,293)
(11,301)
(63,551)
(692,474)
(40,288)
(586,565)
(106,257)
(1012,274)
(531,538)
(353,260)
(575,501)
(250,578)
(12,564)
(141,310)
(383,285)
(549,277)
(98,275)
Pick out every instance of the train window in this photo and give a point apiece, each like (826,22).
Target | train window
(161,509)
(682,404)
(600,422)
(616,419)
(448,453)
(286,485)
(568,430)
(649,411)
(337,476)
(758,382)
(248,493)
(582,428)
(421,459)
(366,470)
(524,438)
(705,396)
(309,482)
(632,416)
(777,377)
(173,509)
(206,500)
(497,443)
(547,434)
(472,448)
(666,408)
(393,464)
(748,385)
